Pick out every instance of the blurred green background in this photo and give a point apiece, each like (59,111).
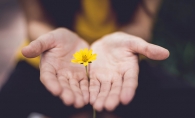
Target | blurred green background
(175,30)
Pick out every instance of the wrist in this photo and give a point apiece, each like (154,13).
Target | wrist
(36,29)
(139,31)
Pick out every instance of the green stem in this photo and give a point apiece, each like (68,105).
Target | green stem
(94,112)
(87,72)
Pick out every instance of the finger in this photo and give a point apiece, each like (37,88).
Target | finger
(49,79)
(94,89)
(129,85)
(104,90)
(150,50)
(113,98)
(79,101)
(36,47)
(84,85)
(67,95)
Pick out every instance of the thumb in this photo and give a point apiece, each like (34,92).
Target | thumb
(38,46)
(149,50)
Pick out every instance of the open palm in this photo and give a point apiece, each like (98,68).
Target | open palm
(61,77)
(114,75)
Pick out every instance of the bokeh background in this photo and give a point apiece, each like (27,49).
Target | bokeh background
(12,34)
(174,29)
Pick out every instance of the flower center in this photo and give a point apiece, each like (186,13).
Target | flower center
(84,58)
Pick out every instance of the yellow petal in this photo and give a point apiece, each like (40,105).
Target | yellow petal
(84,56)
(89,54)
(80,62)
(81,52)
(85,63)
(92,59)
(74,61)
(77,56)
(85,51)
(94,56)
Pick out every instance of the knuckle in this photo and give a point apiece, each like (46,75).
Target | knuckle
(46,36)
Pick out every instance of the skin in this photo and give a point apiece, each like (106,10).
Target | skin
(113,76)
(61,77)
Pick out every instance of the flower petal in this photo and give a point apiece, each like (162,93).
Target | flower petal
(85,63)
(77,56)
(89,54)
(74,61)
(84,56)
(92,58)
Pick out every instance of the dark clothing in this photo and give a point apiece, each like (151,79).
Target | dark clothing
(159,95)
(156,97)
(62,12)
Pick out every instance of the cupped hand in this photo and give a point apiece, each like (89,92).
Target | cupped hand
(114,75)
(61,77)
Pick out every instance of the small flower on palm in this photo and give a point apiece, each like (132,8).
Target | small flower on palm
(84,57)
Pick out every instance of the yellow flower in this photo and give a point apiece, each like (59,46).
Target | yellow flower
(84,57)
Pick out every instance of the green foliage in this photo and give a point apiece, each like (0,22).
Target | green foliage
(175,30)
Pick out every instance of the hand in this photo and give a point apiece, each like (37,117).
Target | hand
(114,75)
(61,77)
